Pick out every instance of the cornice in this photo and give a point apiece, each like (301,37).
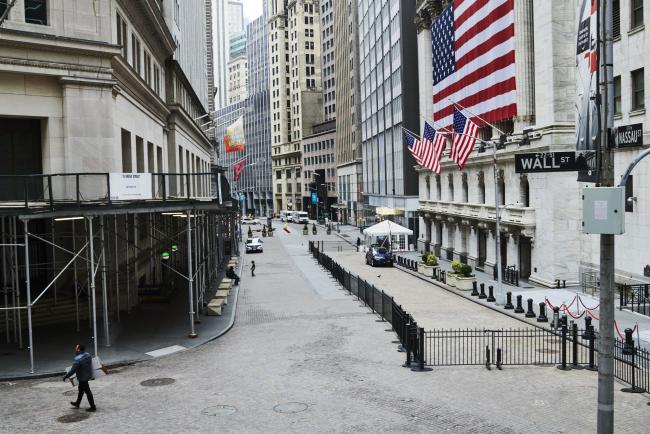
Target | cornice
(178,115)
(146,14)
(40,41)
(132,84)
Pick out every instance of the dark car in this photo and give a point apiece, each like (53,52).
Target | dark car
(379,256)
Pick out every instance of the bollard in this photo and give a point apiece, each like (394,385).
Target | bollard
(491,298)
(563,366)
(542,313)
(557,283)
(487,357)
(474,290)
(499,359)
(574,344)
(587,325)
(556,318)
(508,305)
(629,350)
(520,307)
(563,283)
(443,276)
(564,321)
(591,336)
(482,294)
(530,313)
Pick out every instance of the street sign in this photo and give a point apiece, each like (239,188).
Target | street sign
(628,135)
(242,197)
(550,162)
(314,198)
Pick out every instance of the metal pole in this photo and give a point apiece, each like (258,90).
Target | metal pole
(16,285)
(498,226)
(4,280)
(190,280)
(136,237)
(74,271)
(53,257)
(605,419)
(128,270)
(117,271)
(28,287)
(92,282)
(104,288)
(88,272)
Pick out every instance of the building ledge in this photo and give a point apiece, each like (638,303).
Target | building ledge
(520,217)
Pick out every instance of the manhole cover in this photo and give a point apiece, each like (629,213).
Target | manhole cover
(219,410)
(153,382)
(70,393)
(73,417)
(290,407)
(546,351)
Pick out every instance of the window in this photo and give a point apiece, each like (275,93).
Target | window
(279,188)
(36,12)
(278,174)
(122,38)
(636,14)
(617,95)
(147,68)
(638,96)
(156,79)
(3,7)
(616,13)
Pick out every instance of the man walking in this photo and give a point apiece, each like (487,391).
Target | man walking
(253,268)
(83,367)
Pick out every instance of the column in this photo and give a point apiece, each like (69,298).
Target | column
(472,247)
(524,64)
(425,62)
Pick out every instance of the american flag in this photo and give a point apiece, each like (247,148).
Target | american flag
(474,60)
(464,137)
(414,145)
(436,141)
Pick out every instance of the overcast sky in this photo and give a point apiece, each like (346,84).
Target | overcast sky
(252,9)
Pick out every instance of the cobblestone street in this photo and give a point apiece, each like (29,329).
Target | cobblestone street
(305,357)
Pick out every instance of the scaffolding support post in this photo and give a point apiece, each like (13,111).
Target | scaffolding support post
(29,299)
(190,279)
(74,268)
(92,282)
(117,271)
(107,335)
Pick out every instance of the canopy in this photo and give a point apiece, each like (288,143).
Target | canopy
(387,227)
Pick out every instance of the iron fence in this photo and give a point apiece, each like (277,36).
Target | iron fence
(635,298)
(509,275)
(565,346)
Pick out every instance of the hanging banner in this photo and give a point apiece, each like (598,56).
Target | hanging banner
(131,186)
(587,122)
(237,169)
(234,139)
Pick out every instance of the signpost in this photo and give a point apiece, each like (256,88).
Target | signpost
(550,162)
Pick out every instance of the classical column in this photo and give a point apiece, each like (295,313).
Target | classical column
(425,61)
(524,64)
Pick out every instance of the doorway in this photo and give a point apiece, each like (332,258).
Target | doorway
(21,148)
(525,254)
(504,250)
(482,248)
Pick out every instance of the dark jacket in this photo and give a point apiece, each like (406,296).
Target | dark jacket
(82,366)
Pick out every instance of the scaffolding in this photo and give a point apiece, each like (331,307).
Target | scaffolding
(109,255)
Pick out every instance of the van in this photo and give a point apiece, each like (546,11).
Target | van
(300,217)
(285,216)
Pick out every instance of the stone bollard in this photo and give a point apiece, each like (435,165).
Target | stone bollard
(482,294)
(508,305)
(542,313)
(491,298)
(520,307)
(530,313)
(585,335)
(474,290)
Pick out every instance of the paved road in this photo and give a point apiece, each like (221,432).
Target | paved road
(304,358)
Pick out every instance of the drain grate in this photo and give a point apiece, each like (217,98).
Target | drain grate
(73,417)
(219,410)
(70,393)
(290,407)
(154,382)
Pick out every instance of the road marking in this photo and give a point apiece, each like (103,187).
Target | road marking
(164,351)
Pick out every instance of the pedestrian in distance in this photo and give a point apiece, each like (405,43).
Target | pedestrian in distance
(82,366)
(253,268)
(230,274)
(358,243)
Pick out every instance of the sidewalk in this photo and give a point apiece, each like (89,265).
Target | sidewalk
(149,331)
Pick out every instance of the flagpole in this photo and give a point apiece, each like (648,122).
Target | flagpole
(477,116)
(496,206)
(410,132)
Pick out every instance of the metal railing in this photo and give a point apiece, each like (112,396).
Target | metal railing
(509,275)
(635,298)
(566,346)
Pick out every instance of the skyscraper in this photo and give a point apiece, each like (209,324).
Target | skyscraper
(228,18)
(327,39)
(389,101)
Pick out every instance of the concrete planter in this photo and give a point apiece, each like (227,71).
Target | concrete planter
(451,279)
(427,270)
(465,283)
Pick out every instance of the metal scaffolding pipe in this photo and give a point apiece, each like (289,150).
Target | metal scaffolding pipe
(189,273)
(53,258)
(107,336)
(74,271)
(29,299)
(17,318)
(92,283)
(117,271)
(4,282)
(128,271)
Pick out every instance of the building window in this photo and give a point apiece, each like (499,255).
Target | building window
(278,174)
(156,79)
(617,95)
(616,23)
(636,16)
(122,39)
(3,7)
(279,188)
(36,12)
(638,97)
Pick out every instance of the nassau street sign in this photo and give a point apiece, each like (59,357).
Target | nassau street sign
(550,162)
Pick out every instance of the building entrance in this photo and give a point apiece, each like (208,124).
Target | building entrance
(525,253)
(20,147)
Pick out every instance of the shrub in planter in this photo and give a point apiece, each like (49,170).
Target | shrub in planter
(465,278)
(432,260)
(250,233)
(305,229)
(455,265)
(313,229)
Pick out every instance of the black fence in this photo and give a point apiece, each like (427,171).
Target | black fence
(635,298)
(509,275)
(565,345)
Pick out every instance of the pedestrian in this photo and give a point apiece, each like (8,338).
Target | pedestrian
(358,243)
(83,367)
(230,274)
(253,268)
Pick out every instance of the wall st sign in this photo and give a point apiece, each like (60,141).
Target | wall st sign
(550,162)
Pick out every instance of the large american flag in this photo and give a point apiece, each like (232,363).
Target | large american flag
(474,60)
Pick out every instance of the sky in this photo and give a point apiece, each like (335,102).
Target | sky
(252,9)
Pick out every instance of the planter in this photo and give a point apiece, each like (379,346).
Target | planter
(465,283)
(305,231)
(451,279)
(426,270)
(270,233)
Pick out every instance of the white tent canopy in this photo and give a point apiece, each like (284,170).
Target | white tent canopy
(398,235)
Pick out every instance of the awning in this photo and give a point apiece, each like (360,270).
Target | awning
(389,211)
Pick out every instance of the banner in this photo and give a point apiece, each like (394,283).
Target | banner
(587,64)
(131,186)
(234,138)
(237,169)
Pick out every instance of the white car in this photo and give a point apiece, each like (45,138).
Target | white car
(254,245)
(248,221)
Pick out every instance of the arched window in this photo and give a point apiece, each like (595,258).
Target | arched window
(501,183)
(450,180)
(481,187)
(465,188)
(524,191)
(438,188)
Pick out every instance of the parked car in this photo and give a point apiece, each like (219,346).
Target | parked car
(249,221)
(300,217)
(285,216)
(254,245)
(379,256)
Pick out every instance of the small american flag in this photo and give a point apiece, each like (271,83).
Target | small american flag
(415,146)
(464,137)
(474,60)
(436,141)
